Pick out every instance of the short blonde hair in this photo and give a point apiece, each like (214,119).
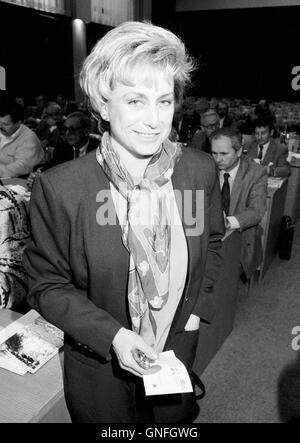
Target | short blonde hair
(126,46)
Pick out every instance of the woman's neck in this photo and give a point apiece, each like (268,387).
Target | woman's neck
(136,166)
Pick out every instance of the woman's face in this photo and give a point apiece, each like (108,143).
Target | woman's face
(141,115)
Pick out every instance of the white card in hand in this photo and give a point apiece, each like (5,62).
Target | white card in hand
(171,379)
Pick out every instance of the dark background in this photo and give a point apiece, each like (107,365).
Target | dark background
(36,51)
(246,53)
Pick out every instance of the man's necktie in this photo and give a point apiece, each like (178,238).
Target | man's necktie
(226,194)
(260,153)
(76,153)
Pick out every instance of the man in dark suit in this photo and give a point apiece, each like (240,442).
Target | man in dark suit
(226,120)
(209,123)
(266,150)
(244,193)
(76,131)
(67,106)
(185,125)
(76,143)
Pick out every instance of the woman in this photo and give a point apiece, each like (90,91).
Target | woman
(112,263)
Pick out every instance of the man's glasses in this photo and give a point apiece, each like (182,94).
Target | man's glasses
(211,126)
(53,114)
(71,129)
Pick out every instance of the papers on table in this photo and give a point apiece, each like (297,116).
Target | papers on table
(28,343)
(172,378)
(275,182)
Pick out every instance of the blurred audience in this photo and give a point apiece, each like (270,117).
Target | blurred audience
(209,122)
(67,106)
(225,119)
(41,100)
(20,148)
(76,129)
(266,150)
(185,124)
(49,129)
(77,143)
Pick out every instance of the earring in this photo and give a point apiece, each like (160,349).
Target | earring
(104,114)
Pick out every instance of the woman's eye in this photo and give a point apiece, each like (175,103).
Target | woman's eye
(134,102)
(166,102)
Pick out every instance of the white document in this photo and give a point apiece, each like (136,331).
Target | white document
(172,378)
(18,325)
(274,182)
(28,343)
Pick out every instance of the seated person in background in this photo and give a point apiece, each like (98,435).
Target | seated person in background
(67,106)
(49,129)
(20,101)
(266,150)
(76,128)
(77,143)
(41,103)
(209,122)
(265,109)
(20,149)
(244,193)
(226,120)
(185,124)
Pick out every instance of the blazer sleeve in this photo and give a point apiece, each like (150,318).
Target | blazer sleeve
(205,305)
(256,203)
(51,289)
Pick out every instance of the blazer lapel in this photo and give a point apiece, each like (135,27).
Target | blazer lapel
(236,187)
(112,232)
(269,157)
(252,150)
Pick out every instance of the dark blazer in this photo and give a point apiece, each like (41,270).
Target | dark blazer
(55,138)
(78,271)
(248,200)
(229,121)
(65,152)
(276,154)
(189,124)
(201,142)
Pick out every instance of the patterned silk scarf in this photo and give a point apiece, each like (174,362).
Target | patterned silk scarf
(146,232)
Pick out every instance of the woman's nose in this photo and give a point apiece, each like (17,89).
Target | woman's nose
(151,116)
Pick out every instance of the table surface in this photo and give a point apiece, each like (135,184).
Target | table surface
(31,397)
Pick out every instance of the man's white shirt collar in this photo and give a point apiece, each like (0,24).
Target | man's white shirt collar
(82,150)
(265,148)
(232,173)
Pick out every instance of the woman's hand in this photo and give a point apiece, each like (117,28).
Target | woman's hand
(133,353)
